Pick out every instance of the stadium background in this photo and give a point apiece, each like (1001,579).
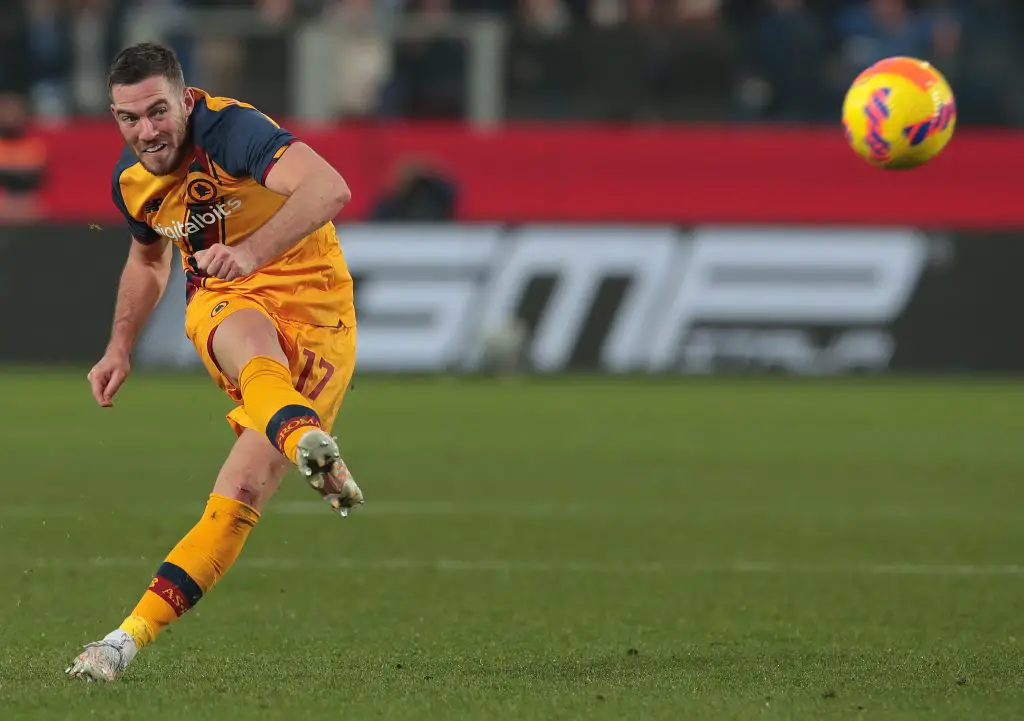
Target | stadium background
(626,118)
(644,199)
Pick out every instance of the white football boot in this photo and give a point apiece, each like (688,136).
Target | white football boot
(319,462)
(104,660)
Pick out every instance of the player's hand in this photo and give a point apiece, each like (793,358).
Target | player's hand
(226,261)
(107,376)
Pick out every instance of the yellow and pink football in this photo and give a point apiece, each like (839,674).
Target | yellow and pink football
(899,113)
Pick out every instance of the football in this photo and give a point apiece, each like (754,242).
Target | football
(899,113)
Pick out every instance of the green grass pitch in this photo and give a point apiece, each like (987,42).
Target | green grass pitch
(540,549)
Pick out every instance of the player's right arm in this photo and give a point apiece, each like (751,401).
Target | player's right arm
(143,282)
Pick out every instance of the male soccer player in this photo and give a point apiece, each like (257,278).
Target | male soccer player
(269,309)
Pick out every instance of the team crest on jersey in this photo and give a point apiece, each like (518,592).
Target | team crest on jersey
(201,190)
(219,307)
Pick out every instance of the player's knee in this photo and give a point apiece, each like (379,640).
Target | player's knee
(257,488)
(249,493)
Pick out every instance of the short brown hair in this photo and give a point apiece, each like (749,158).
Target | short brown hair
(145,60)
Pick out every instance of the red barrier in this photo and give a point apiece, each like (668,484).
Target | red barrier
(586,174)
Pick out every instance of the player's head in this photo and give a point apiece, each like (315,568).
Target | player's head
(151,104)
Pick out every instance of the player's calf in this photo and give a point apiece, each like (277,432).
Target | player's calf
(190,571)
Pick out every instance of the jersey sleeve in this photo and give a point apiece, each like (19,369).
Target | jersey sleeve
(243,141)
(140,230)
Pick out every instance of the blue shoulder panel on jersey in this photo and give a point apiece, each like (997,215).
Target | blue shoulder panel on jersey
(140,231)
(241,140)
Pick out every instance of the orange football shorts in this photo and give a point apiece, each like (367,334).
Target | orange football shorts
(321,359)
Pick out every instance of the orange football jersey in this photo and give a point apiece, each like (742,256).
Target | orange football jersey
(217,196)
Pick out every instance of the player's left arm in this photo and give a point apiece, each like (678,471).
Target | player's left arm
(316,193)
(245,142)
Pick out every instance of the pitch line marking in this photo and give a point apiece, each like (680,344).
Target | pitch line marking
(444,565)
(550,510)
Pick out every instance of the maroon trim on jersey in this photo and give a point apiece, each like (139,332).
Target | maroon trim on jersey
(203,159)
(193,282)
(266,173)
(209,350)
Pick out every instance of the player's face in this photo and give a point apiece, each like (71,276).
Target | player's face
(153,118)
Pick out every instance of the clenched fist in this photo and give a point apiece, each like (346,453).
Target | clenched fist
(225,261)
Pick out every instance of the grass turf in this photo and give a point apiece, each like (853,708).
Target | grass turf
(545,549)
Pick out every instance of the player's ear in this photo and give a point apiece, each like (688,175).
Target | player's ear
(189,99)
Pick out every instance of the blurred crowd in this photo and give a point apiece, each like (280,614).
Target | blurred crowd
(618,60)
(624,61)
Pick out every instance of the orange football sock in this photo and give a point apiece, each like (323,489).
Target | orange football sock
(274,405)
(193,567)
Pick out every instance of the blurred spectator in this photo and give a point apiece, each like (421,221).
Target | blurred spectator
(544,18)
(701,67)
(982,58)
(616,62)
(421,193)
(221,57)
(539,63)
(16,71)
(430,72)
(243,49)
(275,11)
(784,58)
(22,160)
(363,58)
(878,29)
(91,25)
(613,60)
(51,58)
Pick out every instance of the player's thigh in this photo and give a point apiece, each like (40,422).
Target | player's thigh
(253,470)
(228,330)
(322,362)
(244,335)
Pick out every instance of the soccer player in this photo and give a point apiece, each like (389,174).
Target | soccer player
(269,309)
